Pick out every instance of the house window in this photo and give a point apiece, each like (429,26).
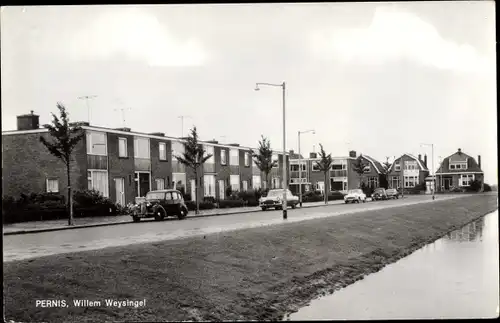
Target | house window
(223,158)
(410,181)
(52,185)
(163,151)
(275,182)
(141,148)
(98,180)
(411,165)
(466,179)
(235,183)
(397,167)
(160,183)
(209,185)
(234,157)
(247,159)
(122,147)
(177,149)
(209,150)
(256,182)
(96,143)
(245,186)
(294,168)
(275,158)
(367,168)
(373,181)
(179,180)
(315,167)
(461,165)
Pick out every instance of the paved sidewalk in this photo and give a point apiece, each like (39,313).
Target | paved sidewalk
(54,225)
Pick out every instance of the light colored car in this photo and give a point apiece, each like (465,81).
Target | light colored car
(355,195)
(274,199)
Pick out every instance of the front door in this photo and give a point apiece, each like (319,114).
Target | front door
(143,184)
(222,190)
(120,190)
(447,183)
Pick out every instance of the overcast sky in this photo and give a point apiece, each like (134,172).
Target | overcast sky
(378,78)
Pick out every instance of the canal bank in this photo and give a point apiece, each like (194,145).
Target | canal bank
(455,277)
(253,274)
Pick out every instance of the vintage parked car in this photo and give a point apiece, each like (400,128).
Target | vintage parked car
(355,195)
(379,194)
(274,199)
(160,204)
(392,193)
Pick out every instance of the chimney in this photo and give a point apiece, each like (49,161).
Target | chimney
(313,155)
(419,157)
(124,129)
(459,151)
(291,152)
(78,124)
(28,121)
(159,134)
(479,160)
(425,160)
(352,154)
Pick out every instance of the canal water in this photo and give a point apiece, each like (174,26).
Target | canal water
(457,277)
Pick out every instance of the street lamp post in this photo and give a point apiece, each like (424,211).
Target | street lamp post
(285,182)
(300,167)
(434,178)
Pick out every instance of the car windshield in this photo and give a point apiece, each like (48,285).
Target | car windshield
(379,190)
(357,191)
(155,196)
(274,193)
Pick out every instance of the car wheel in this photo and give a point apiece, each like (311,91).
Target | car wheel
(364,201)
(160,215)
(263,208)
(136,219)
(293,206)
(182,214)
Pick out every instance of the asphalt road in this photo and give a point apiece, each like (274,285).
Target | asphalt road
(26,246)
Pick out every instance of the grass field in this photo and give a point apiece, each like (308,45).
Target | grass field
(254,274)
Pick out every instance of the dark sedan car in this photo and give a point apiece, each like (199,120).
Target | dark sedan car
(392,193)
(379,194)
(160,204)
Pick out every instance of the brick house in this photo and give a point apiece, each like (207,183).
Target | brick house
(342,175)
(122,164)
(372,172)
(414,172)
(458,171)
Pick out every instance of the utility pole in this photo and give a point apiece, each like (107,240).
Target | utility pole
(86,98)
(182,124)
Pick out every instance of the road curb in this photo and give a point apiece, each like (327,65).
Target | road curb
(131,222)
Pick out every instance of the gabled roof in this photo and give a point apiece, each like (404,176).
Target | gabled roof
(376,164)
(472,165)
(420,163)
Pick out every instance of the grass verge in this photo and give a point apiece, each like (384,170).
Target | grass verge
(254,274)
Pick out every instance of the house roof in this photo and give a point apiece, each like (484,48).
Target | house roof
(420,163)
(376,164)
(472,165)
(154,135)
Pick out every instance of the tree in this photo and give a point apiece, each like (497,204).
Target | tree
(264,158)
(325,164)
(194,157)
(359,168)
(384,177)
(65,139)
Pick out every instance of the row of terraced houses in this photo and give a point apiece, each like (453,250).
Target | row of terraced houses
(123,165)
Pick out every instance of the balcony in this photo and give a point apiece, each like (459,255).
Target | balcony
(295,174)
(338,173)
